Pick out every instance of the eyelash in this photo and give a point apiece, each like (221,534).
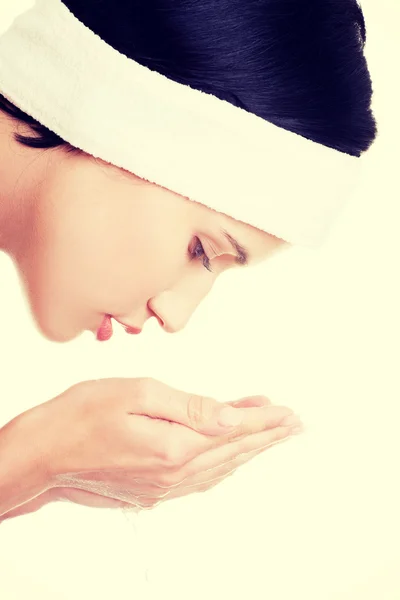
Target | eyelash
(199,252)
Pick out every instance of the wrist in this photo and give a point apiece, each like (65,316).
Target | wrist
(23,464)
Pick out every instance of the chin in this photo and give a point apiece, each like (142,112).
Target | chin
(55,333)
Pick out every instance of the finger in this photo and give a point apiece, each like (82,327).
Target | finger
(190,483)
(215,462)
(147,496)
(177,446)
(207,471)
(213,477)
(224,454)
(250,402)
(263,419)
(210,476)
(200,413)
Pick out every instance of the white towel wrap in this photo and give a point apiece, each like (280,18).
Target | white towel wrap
(65,76)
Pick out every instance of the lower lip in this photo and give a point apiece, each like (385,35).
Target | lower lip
(105,331)
(132,330)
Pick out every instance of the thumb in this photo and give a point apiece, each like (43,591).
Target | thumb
(201,413)
(210,417)
(251,402)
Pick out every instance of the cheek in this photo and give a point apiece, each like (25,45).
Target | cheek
(90,266)
(76,270)
(101,247)
(60,286)
(102,263)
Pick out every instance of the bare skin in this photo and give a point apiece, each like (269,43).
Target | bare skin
(90,240)
(129,443)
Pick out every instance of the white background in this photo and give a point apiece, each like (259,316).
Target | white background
(315,518)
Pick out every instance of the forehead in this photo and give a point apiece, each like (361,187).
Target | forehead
(258,244)
(236,235)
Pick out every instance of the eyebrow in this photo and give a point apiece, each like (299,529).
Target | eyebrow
(242,255)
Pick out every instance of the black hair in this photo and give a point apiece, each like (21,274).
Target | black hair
(42,136)
(299,64)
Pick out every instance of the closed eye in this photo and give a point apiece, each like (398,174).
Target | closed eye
(198,252)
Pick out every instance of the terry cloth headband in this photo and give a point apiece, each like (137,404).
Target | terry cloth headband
(65,76)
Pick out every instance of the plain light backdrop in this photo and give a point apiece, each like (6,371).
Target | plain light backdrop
(314,518)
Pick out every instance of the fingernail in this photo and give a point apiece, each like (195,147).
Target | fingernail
(230,417)
(297,430)
(291,420)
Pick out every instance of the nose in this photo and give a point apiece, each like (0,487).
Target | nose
(174,307)
(172,310)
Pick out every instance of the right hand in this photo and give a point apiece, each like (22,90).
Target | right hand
(138,442)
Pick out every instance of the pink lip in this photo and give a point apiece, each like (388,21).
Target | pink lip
(105,331)
(129,328)
(132,330)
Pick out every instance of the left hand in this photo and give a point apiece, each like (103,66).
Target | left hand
(93,500)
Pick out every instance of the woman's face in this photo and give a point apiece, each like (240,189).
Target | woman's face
(104,242)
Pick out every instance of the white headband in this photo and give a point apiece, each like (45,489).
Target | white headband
(66,77)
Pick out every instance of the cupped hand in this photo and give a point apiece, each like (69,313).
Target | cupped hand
(134,443)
